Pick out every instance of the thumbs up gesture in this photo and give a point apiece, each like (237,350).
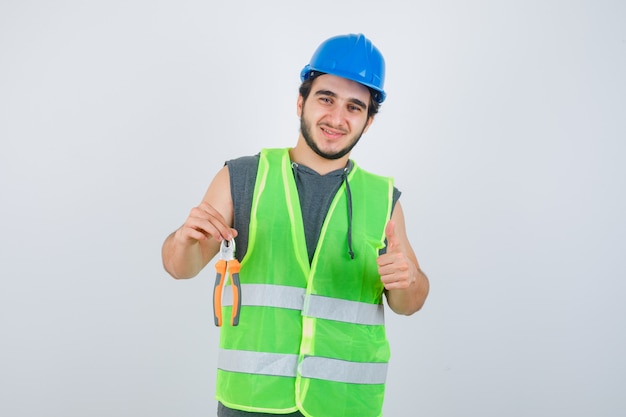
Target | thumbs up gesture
(406,286)
(395,267)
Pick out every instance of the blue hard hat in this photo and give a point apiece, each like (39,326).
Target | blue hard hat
(353,57)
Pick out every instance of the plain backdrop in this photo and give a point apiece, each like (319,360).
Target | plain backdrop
(504,127)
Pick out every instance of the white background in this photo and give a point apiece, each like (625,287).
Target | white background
(505,128)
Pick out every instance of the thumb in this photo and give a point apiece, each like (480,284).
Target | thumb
(390,233)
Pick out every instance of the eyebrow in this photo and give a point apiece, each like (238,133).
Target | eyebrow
(329,93)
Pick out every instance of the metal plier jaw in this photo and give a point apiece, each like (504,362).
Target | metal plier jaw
(227,262)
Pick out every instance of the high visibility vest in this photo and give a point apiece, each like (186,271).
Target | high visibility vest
(311,337)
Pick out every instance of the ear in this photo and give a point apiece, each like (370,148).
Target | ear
(299,105)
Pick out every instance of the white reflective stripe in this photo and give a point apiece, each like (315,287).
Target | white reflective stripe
(343,310)
(276,364)
(343,371)
(267,295)
(316,306)
(244,361)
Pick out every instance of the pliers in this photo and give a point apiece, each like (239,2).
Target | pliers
(226,262)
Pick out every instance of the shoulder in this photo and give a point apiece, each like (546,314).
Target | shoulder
(378,177)
(243,167)
(396,192)
(243,162)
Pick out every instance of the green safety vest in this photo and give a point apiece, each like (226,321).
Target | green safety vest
(311,337)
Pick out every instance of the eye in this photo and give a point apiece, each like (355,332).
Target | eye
(326,100)
(354,108)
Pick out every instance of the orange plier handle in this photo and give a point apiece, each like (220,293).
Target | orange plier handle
(221,266)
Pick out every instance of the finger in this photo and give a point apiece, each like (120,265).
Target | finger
(219,222)
(205,210)
(200,225)
(390,233)
(198,232)
(206,218)
(197,229)
(384,260)
(391,281)
(396,285)
(392,263)
(195,234)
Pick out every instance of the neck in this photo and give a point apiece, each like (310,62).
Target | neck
(303,154)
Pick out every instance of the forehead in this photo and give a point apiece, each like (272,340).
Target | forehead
(342,87)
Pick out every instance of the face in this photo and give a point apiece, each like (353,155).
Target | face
(334,116)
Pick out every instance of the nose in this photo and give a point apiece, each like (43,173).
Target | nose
(337,117)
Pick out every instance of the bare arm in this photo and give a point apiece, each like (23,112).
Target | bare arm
(406,286)
(190,248)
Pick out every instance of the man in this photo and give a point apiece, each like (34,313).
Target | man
(320,241)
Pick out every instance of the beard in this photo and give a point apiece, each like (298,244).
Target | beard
(305,129)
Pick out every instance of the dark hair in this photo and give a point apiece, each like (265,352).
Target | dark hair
(305,90)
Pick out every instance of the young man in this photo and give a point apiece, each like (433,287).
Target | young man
(320,241)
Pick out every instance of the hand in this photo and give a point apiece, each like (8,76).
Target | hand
(395,267)
(203,223)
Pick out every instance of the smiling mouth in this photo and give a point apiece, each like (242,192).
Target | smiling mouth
(332,133)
